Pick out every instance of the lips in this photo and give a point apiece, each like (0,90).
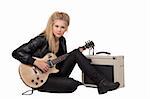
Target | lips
(58,33)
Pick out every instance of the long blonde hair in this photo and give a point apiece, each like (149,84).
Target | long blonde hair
(48,31)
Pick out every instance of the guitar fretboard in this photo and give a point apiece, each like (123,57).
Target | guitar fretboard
(58,59)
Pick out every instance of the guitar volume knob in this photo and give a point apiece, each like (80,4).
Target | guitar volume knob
(36,83)
(41,81)
(32,80)
(37,78)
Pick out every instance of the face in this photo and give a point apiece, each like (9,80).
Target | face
(59,28)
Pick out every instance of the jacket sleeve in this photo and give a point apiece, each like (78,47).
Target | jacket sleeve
(24,53)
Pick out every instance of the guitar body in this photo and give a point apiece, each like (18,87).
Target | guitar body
(34,77)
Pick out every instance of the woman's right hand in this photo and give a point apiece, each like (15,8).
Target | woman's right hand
(42,65)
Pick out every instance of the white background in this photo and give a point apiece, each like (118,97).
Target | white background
(121,27)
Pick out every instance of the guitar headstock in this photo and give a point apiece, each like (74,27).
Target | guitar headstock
(89,44)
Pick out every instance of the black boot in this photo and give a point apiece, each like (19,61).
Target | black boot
(106,85)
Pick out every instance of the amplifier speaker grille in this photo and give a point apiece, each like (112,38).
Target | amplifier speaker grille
(107,70)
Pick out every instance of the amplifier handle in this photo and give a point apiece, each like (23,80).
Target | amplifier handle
(103,52)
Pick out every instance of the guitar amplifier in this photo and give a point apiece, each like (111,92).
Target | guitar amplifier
(111,66)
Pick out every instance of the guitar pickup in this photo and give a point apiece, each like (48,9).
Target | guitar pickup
(49,62)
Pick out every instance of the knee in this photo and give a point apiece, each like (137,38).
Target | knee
(75,51)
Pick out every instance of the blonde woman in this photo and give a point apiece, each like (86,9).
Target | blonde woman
(52,41)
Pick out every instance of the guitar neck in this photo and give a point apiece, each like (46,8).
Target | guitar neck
(59,59)
(53,62)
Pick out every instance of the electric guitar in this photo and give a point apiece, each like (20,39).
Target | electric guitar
(33,77)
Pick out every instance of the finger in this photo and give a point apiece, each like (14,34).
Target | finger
(46,68)
(43,68)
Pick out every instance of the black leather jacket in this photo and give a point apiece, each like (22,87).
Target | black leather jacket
(37,47)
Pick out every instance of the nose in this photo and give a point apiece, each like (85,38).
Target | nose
(59,29)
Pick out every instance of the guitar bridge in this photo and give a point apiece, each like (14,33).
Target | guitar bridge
(34,69)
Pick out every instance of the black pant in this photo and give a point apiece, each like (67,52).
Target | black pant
(84,64)
(62,77)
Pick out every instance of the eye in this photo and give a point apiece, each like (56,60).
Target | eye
(56,26)
(63,27)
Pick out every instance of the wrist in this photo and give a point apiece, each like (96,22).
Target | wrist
(35,62)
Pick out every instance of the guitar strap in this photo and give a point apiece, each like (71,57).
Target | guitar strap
(28,92)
